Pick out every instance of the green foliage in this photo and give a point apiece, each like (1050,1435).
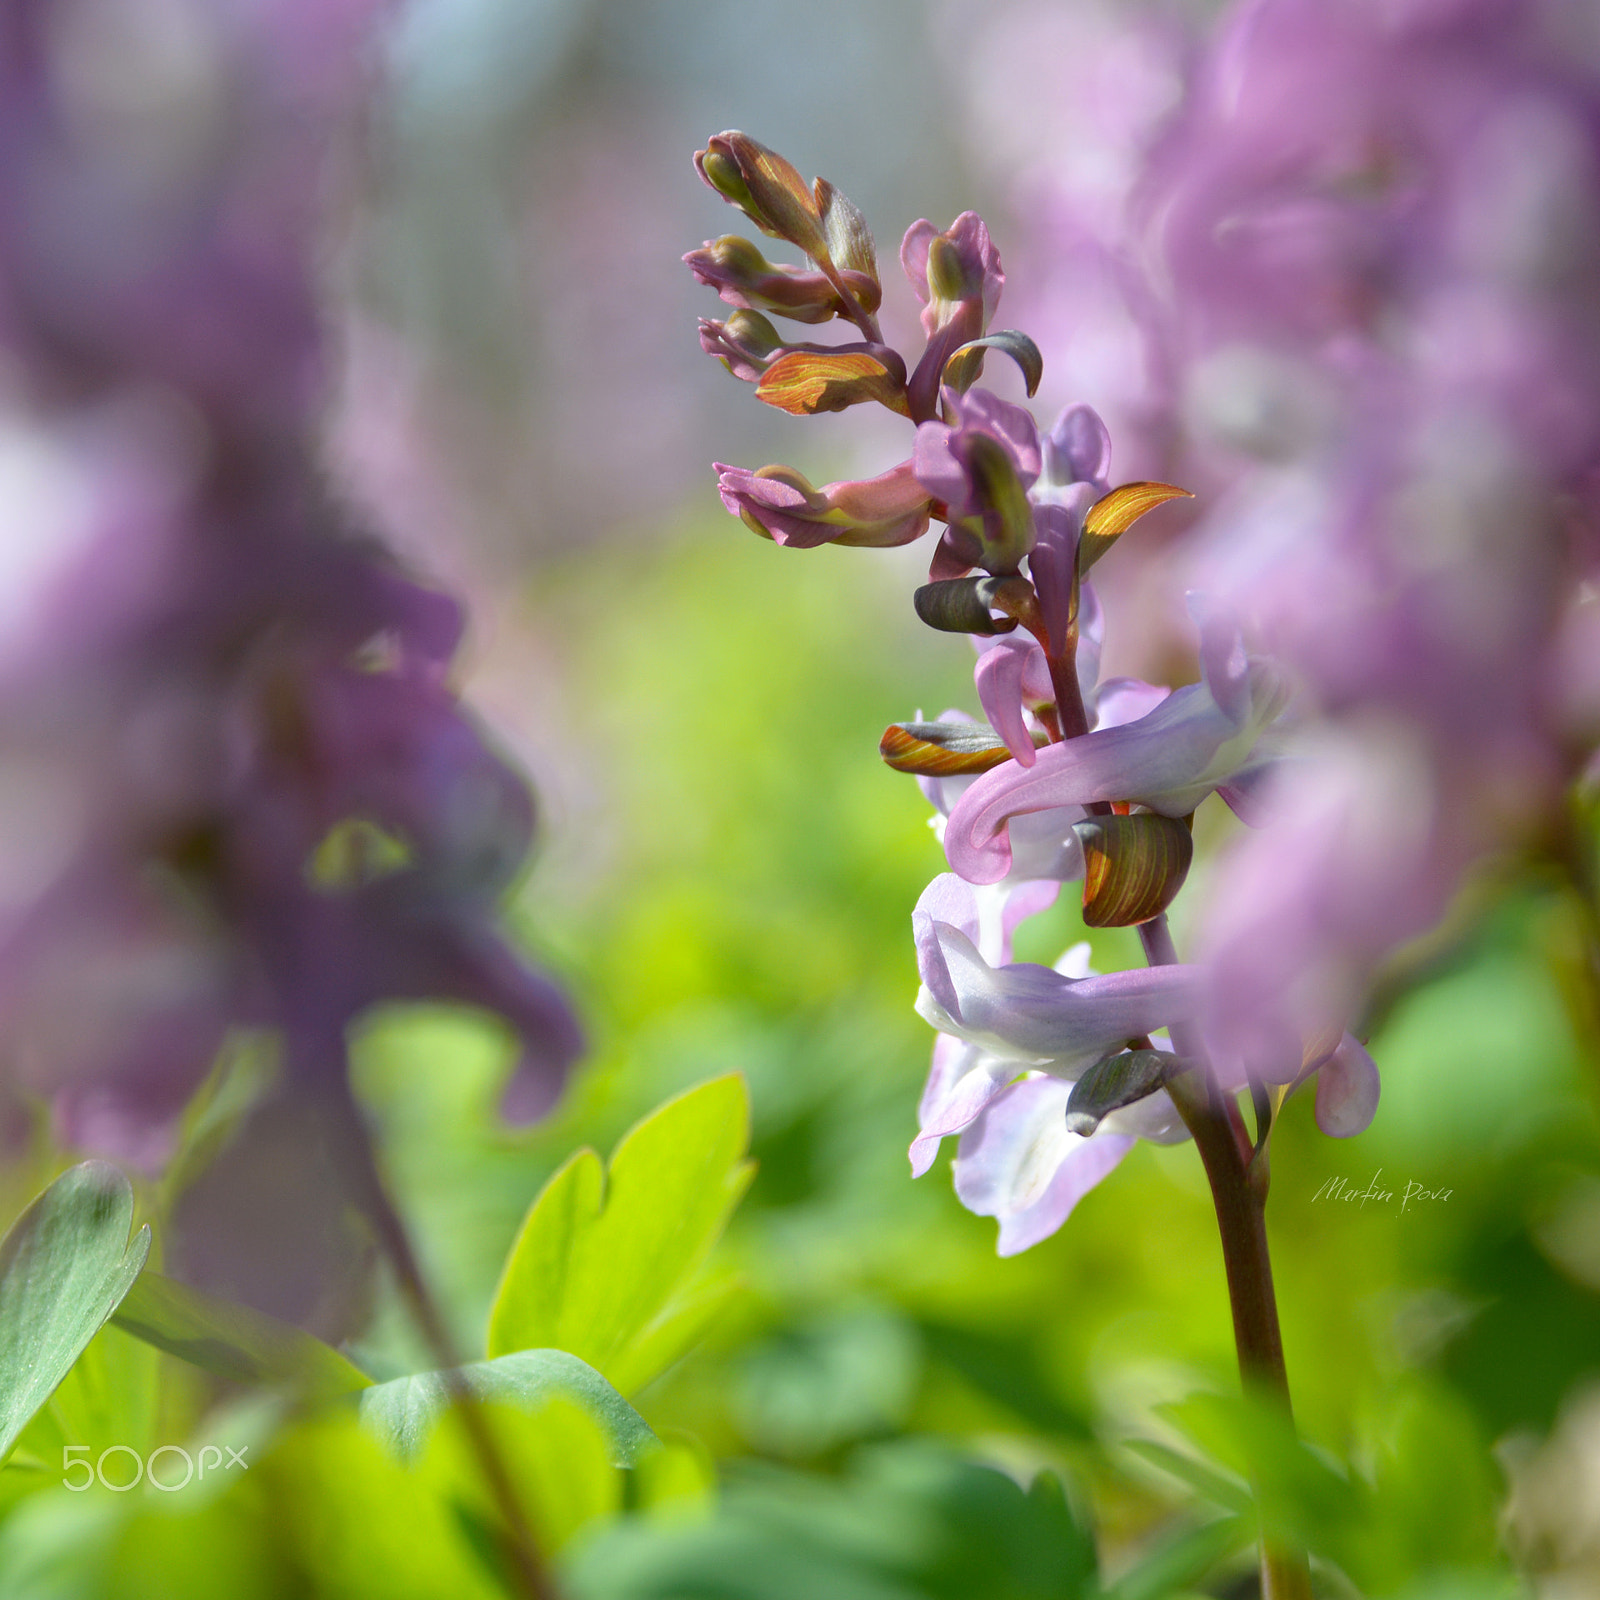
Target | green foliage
(403,1411)
(606,1266)
(560,1459)
(912,1521)
(1425,1505)
(65,1266)
(234,1341)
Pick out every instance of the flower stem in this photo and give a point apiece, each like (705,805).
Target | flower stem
(1239,1194)
(518,1547)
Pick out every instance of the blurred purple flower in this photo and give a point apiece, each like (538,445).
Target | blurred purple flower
(1379,234)
(250,797)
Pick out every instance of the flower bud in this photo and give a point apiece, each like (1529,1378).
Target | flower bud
(957,276)
(738,271)
(766,188)
(1134,867)
(746,344)
(781,505)
(981,467)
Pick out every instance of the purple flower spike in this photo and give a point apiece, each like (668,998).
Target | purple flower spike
(958,277)
(981,467)
(781,505)
(1199,738)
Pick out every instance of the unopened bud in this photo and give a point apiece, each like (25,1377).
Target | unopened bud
(746,344)
(768,189)
(1134,867)
(737,270)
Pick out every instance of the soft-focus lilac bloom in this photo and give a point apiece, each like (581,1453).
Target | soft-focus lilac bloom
(1194,741)
(958,278)
(1032,1014)
(159,191)
(779,504)
(1068,162)
(1377,230)
(1357,850)
(261,807)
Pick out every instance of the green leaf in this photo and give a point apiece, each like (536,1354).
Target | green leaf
(403,1411)
(606,1265)
(234,1341)
(1187,1559)
(560,1461)
(965,365)
(1209,1484)
(1301,1497)
(64,1267)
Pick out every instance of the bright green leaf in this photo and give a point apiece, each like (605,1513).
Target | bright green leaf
(233,1340)
(559,1458)
(64,1267)
(403,1411)
(1215,1486)
(607,1265)
(1183,1560)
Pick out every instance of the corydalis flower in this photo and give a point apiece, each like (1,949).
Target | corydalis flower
(958,278)
(779,504)
(980,467)
(1199,739)
(1027,1013)
(1017,1160)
